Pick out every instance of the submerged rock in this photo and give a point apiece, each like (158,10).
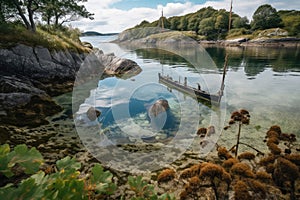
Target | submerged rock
(93,114)
(158,107)
(158,114)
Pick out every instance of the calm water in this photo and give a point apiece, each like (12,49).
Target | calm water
(265,81)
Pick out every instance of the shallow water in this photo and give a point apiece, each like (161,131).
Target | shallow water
(265,81)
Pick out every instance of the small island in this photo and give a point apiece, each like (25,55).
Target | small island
(94,33)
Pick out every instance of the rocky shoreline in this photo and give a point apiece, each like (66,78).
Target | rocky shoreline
(263,42)
(31,76)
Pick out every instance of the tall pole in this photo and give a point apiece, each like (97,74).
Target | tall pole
(230,15)
(162,19)
(224,74)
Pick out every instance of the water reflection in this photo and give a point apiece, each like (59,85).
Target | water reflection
(265,81)
(255,60)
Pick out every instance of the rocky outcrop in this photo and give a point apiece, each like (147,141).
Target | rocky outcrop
(46,70)
(22,104)
(118,66)
(31,75)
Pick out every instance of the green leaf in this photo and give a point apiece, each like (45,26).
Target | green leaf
(4,150)
(27,189)
(137,184)
(30,160)
(102,180)
(68,163)
(100,176)
(4,169)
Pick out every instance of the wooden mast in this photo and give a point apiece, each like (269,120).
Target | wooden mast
(230,15)
(162,19)
(224,74)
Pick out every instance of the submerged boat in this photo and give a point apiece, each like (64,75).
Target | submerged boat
(194,92)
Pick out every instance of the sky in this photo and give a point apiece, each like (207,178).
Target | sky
(114,16)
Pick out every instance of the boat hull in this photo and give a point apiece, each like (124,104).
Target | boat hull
(194,92)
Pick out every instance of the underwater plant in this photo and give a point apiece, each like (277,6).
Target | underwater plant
(166,175)
(240,117)
(282,165)
(216,176)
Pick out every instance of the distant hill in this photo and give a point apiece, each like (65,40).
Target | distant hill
(212,24)
(94,33)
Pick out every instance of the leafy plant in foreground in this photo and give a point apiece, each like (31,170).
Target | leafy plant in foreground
(65,183)
(29,160)
(144,191)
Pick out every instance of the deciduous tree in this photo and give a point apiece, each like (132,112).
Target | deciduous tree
(58,12)
(265,17)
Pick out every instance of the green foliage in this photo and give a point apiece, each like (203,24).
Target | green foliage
(54,12)
(291,21)
(212,24)
(238,32)
(240,22)
(28,159)
(57,12)
(183,24)
(66,183)
(144,191)
(63,38)
(265,17)
(102,180)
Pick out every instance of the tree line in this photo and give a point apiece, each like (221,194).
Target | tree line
(51,12)
(214,24)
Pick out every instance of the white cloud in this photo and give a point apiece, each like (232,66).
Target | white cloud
(172,9)
(109,19)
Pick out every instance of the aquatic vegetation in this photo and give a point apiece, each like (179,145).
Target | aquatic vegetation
(246,156)
(202,132)
(240,117)
(259,189)
(282,165)
(286,173)
(186,173)
(263,176)
(242,169)
(241,190)
(276,129)
(223,153)
(227,164)
(272,176)
(294,158)
(194,182)
(216,175)
(166,175)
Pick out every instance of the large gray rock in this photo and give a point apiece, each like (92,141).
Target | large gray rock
(118,66)
(30,75)
(22,104)
(48,70)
